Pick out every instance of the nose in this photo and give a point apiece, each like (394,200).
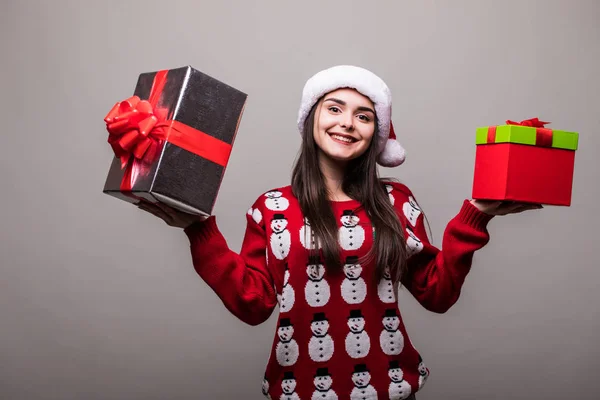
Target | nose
(346,121)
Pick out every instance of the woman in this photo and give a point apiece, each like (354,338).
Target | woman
(332,248)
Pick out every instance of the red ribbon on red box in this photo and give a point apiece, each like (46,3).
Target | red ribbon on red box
(543,136)
(138,129)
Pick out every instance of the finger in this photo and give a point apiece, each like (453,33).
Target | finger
(149,207)
(156,212)
(510,206)
(490,203)
(166,209)
(530,207)
(525,207)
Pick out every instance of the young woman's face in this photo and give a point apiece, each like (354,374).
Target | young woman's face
(344,124)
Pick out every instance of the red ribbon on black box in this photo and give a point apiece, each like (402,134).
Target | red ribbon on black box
(138,129)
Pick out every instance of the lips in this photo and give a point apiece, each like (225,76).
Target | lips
(342,138)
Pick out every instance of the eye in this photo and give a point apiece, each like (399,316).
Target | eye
(334,109)
(364,118)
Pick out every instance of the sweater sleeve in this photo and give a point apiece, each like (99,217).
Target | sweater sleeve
(242,281)
(435,276)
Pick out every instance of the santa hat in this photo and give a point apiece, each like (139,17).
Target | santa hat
(390,152)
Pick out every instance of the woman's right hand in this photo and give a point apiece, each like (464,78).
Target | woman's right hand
(171,216)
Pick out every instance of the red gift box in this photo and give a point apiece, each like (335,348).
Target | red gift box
(524,162)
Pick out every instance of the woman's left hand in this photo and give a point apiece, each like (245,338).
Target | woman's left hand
(492,207)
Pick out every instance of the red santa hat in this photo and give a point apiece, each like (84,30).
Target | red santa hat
(390,152)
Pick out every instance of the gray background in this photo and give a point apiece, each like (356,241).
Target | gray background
(99,300)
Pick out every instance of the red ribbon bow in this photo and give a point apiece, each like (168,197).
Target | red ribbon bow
(131,126)
(543,136)
(533,122)
(138,129)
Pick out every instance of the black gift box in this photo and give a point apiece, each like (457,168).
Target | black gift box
(174,175)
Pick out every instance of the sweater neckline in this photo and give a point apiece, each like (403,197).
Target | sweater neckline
(344,203)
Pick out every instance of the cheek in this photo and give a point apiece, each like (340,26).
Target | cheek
(324,120)
(322,123)
(368,133)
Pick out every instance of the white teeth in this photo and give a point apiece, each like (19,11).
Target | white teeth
(343,139)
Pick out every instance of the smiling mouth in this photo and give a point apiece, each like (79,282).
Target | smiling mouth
(343,139)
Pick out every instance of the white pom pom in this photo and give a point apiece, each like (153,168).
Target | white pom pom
(393,154)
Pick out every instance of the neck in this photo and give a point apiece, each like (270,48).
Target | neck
(333,172)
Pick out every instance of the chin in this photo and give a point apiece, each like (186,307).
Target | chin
(341,157)
(336,154)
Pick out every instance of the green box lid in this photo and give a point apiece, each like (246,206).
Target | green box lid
(527,135)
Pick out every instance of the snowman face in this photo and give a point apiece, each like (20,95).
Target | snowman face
(413,203)
(273,194)
(412,236)
(285,333)
(395,374)
(279,225)
(352,271)
(315,272)
(356,325)
(323,382)
(349,220)
(361,379)
(265,386)
(422,368)
(391,323)
(387,274)
(288,386)
(319,328)
(286,276)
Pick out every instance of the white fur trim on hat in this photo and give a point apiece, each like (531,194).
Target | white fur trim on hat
(391,153)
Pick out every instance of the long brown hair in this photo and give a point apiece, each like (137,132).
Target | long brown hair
(362,183)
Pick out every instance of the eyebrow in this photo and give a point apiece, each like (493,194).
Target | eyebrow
(343,103)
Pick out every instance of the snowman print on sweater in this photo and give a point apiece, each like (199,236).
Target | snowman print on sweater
(323,383)
(423,373)
(288,295)
(399,389)
(320,346)
(363,390)
(391,339)
(351,235)
(358,342)
(275,201)
(411,210)
(385,288)
(280,237)
(265,388)
(288,386)
(388,189)
(286,350)
(255,214)
(307,238)
(316,291)
(354,287)
(413,243)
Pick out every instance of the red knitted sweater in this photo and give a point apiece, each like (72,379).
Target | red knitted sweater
(339,334)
